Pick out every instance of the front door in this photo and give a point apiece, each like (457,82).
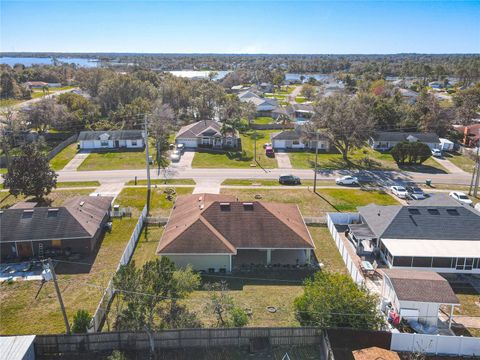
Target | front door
(24,249)
(117,143)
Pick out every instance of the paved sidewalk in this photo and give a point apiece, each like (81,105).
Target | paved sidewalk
(451,168)
(76,161)
(211,186)
(283,161)
(109,189)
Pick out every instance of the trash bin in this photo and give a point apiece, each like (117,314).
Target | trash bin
(428,182)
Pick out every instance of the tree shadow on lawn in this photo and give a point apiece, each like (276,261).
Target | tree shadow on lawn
(427,169)
(341,164)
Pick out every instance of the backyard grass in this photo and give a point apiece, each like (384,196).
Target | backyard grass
(263,120)
(22,313)
(147,245)
(300,99)
(365,158)
(115,160)
(261,182)
(9,102)
(311,204)
(159,204)
(326,251)
(237,159)
(462,161)
(63,157)
(163,182)
(55,198)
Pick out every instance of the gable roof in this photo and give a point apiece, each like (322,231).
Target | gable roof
(112,135)
(295,135)
(423,286)
(211,224)
(422,222)
(197,129)
(404,136)
(79,217)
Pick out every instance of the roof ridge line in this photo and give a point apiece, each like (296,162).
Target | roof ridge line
(217,233)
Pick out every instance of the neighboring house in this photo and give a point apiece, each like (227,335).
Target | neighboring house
(27,232)
(471,134)
(207,134)
(239,88)
(297,140)
(446,145)
(115,139)
(410,96)
(300,112)
(219,233)
(386,140)
(264,106)
(425,236)
(36,84)
(417,296)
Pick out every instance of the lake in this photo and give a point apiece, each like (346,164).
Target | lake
(196,74)
(29,61)
(296,77)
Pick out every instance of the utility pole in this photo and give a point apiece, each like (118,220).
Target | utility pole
(316,164)
(255,145)
(476,175)
(49,266)
(148,163)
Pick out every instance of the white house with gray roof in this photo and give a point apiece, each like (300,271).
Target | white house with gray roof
(207,134)
(386,140)
(298,140)
(264,106)
(115,139)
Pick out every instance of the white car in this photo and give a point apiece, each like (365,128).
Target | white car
(461,197)
(437,153)
(175,156)
(399,191)
(347,180)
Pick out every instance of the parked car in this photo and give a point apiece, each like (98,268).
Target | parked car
(266,144)
(175,156)
(461,197)
(415,193)
(437,153)
(181,148)
(399,191)
(269,151)
(289,180)
(347,180)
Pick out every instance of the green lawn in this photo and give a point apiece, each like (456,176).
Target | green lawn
(69,184)
(3,170)
(239,160)
(9,102)
(163,182)
(300,99)
(462,161)
(365,158)
(22,313)
(159,204)
(261,182)
(119,160)
(311,204)
(325,249)
(263,120)
(64,157)
(147,244)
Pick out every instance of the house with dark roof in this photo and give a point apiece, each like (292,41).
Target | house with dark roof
(219,233)
(385,140)
(264,106)
(436,236)
(416,296)
(298,139)
(207,134)
(300,112)
(28,232)
(114,139)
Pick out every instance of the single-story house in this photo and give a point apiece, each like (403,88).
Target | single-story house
(36,84)
(114,139)
(443,238)
(264,106)
(300,112)
(417,296)
(76,226)
(409,96)
(297,140)
(471,134)
(219,233)
(207,134)
(446,145)
(385,140)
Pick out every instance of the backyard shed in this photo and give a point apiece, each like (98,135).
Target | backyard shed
(17,347)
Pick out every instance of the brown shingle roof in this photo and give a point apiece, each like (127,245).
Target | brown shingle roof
(423,286)
(207,223)
(79,217)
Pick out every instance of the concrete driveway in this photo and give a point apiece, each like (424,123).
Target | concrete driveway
(452,168)
(76,161)
(185,161)
(283,161)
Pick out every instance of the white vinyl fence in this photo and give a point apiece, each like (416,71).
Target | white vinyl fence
(101,311)
(436,344)
(344,219)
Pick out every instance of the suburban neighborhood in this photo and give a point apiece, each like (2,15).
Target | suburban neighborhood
(201,205)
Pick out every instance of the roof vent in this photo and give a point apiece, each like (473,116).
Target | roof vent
(52,212)
(82,203)
(453,212)
(27,214)
(248,206)
(225,206)
(201,206)
(433,211)
(414,211)
(200,198)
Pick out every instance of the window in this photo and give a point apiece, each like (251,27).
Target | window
(460,264)
(205,141)
(52,213)
(442,262)
(104,143)
(56,243)
(402,261)
(296,142)
(134,142)
(422,262)
(27,214)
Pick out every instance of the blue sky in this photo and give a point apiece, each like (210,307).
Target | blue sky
(339,27)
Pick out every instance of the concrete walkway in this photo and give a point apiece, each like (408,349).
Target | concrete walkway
(283,161)
(211,186)
(109,189)
(451,168)
(76,161)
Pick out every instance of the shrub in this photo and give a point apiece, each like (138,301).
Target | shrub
(410,153)
(81,321)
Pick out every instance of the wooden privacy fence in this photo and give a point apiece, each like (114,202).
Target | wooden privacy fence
(101,311)
(287,126)
(173,339)
(344,218)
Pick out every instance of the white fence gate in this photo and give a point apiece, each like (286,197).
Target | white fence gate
(436,344)
(343,219)
(101,310)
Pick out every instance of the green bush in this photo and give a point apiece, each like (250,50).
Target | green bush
(410,153)
(81,321)
(239,317)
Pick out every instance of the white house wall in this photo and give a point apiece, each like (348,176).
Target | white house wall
(97,144)
(202,262)
(427,312)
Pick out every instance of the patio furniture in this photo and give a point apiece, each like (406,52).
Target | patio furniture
(367,268)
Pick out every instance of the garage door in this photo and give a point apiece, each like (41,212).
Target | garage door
(188,143)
